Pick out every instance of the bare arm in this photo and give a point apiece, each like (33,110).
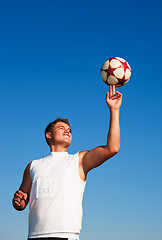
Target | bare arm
(97,156)
(21,196)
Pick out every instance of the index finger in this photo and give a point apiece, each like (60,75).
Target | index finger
(110,91)
(22,194)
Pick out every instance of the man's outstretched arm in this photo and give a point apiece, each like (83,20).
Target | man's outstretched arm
(97,156)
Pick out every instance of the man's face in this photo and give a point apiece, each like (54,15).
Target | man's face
(61,134)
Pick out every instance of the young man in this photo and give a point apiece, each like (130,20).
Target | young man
(54,185)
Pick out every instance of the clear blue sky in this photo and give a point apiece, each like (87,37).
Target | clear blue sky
(50,57)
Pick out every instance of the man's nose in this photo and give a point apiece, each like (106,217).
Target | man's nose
(67,131)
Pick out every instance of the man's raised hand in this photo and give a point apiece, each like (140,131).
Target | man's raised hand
(113,98)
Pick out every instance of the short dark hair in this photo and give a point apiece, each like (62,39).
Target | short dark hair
(51,125)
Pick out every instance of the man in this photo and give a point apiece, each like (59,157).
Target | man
(54,185)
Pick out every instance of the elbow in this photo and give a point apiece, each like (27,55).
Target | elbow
(114,150)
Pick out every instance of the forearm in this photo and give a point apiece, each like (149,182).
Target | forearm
(113,138)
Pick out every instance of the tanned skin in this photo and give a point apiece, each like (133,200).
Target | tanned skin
(60,139)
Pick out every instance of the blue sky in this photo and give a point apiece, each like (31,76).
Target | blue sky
(50,56)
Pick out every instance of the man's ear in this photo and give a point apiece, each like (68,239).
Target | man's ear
(48,135)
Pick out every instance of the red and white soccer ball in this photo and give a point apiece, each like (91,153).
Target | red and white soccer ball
(115,71)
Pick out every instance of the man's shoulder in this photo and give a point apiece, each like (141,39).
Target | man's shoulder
(38,160)
(83,153)
(80,154)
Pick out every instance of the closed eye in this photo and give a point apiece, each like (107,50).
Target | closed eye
(63,128)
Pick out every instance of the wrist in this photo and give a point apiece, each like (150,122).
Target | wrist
(114,110)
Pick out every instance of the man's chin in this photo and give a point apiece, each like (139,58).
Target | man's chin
(67,145)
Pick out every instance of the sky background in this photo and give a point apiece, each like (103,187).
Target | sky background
(51,53)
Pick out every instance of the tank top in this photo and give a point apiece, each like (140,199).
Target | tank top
(55,204)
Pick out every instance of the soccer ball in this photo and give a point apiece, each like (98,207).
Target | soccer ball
(115,71)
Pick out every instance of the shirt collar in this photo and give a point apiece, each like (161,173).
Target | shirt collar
(59,153)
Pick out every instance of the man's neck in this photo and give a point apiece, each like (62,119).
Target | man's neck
(57,148)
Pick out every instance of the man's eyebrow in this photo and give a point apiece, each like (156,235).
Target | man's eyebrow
(64,127)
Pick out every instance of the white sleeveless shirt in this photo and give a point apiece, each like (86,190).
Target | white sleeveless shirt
(56,196)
